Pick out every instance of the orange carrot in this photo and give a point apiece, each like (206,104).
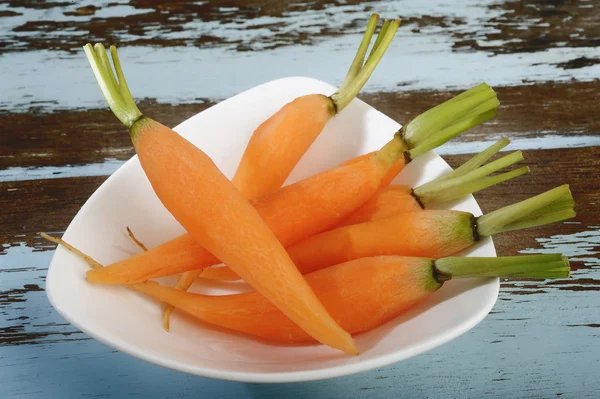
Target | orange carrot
(466,179)
(213,211)
(319,202)
(278,143)
(431,233)
(215,273)
(393,200)
(361,294)
(394,170)
(428,233)
(388,201)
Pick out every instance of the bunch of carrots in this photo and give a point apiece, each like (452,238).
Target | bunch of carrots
(335,254)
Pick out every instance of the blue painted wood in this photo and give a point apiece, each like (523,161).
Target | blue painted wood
(541,344)
(433,48)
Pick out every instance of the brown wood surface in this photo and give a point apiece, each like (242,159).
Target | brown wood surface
(86,136)
(57,200)
(542,57)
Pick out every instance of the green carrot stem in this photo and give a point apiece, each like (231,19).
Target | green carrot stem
(549,218)
(528,266)
(442,190)
(491,181)
(442,136)
(458,189)
(105,63)
(445,114)
(476,161)
(559,272)
(115,92)
(551,206)
(123,87)
(384,27)
(489,104)
(359,58)
(393,150)
(437,117)
(463,113)
(347,93)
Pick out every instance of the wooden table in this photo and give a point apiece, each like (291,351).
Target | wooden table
(59,142)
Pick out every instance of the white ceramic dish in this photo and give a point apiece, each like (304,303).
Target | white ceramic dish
(131,323)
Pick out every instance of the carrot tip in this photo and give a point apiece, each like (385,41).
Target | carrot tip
(135,240)
(167,318)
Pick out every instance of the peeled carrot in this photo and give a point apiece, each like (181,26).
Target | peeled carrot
(393,200)
(394,170)
(186,279)
(428,233)
(431,233)
(321,201)
(215,273)
(468,178)
(361,294)
(278,143)
(213,211)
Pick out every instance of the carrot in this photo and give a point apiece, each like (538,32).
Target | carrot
(213,211)
(361,294)
(186,280)
(215,273)
(428,233)
(468,178)
(394,200)
(321,201)
(431,233)
(278,143)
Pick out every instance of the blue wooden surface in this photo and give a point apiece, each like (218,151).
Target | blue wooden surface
(541,339)
(544,344)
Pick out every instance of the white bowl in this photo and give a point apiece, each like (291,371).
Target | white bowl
(131,323)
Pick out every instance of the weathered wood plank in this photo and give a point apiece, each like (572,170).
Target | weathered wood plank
(181,52)
(28,206)
(547,114)
(267,23)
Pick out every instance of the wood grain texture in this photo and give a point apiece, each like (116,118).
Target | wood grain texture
(77,137)
(59,143)
(28,206)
